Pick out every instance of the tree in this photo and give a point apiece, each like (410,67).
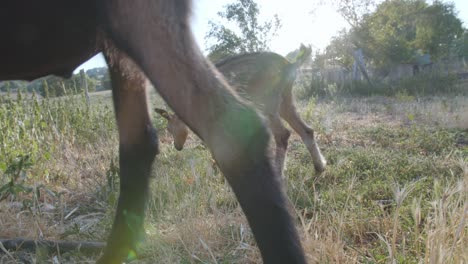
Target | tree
(460,47)
(52,86)
(338,52)
(251,37)
(353,11)
(398,31)
(437,29)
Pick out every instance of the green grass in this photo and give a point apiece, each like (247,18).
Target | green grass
(425,84)
(395,188)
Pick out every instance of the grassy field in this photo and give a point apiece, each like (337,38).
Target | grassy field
(395,189)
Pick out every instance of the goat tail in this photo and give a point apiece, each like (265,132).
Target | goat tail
(301,57)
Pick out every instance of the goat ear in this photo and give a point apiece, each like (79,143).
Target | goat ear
(163,113)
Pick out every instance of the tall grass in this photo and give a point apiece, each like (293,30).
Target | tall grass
(33,127)
(395,190)
(48,149)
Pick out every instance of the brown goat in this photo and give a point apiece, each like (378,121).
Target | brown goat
(266,79)
(152,38)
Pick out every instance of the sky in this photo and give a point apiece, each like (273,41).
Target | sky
(303,21)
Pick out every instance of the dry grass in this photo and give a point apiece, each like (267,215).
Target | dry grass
(395,191)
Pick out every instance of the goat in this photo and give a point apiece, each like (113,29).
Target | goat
(152,39)
(266,79)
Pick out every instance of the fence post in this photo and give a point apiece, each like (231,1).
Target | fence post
(359,64)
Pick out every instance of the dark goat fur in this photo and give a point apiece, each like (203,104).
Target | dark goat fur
(55,36)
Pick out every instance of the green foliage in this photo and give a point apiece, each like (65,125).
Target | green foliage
(101,77)
(338,52)
(398,31)
(249,36)
(353,11)
(461,45)
(437,29)
(34,128)
(14,172)
(424,84)
(5,87)
(53,86)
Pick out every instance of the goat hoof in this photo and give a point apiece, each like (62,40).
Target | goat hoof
(320,166)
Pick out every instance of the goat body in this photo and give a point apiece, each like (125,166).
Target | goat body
(266,79)
(152,39)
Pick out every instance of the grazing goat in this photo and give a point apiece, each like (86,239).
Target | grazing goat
(152,38)
(266,79)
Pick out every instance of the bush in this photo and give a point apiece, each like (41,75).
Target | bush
(425,84)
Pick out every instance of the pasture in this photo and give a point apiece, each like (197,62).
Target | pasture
(395,189)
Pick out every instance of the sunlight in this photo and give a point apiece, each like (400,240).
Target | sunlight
(303,21)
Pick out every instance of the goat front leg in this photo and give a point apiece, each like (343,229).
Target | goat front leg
(157,37)
(281,135)
(138,147)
